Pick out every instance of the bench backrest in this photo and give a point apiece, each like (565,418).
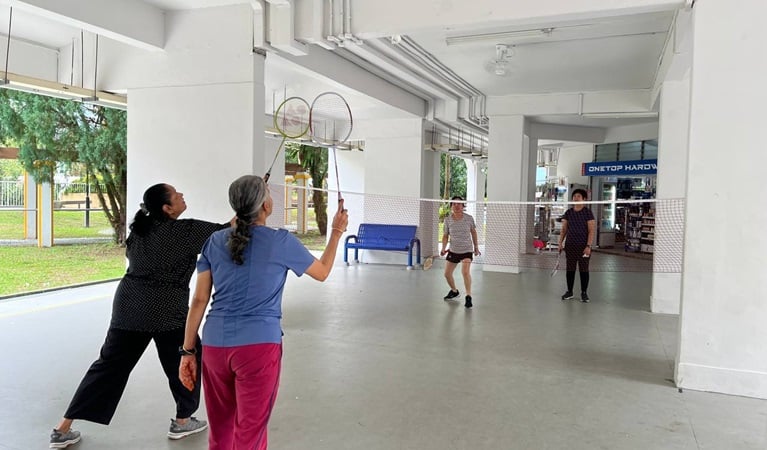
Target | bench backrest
(384,235)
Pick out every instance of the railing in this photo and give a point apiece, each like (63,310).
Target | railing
(12,194)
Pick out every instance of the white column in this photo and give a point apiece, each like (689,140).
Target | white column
(428,230)
(45,214)
(672,182)
(196,114)
(508,166)
(30,205)
(723,310)
(393,159)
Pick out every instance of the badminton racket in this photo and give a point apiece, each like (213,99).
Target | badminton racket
(428,262)
(331,123)
(556,266)
(291,120)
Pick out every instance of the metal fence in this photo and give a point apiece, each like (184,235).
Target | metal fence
(12,192)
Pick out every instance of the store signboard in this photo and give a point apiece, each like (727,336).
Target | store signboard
(618,168)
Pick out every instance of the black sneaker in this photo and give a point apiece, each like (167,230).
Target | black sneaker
(567,295)
(451,295)
(468,302)
(584,297)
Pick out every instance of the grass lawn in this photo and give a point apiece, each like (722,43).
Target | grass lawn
(27,269)
(66,224)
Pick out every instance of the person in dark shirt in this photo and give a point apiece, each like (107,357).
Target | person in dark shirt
(578,229)
(151,303)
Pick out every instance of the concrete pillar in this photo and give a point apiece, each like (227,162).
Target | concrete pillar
(390,178)
(302,183)
(197,113)
(722,315)
(45,214)
(30,207)
(509,156)
(671,184)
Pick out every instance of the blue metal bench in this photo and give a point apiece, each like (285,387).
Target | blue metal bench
(374,236)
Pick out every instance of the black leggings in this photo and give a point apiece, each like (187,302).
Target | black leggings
(574,256)
(100,390)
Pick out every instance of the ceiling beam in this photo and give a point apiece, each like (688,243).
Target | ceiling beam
(625,101)
(341,71)
(408,16)
(132,22)
(567,132)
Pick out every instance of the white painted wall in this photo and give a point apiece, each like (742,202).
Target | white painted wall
(723,311)
(197,138)
(203,46)
(571,158)
(630,133)
(196,110)
(672,184)
(30,60)
(392,177)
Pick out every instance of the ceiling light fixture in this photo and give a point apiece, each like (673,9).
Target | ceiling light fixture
(48,88)
(468,38)
(621,115)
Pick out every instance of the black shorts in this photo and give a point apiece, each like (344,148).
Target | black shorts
(458,257)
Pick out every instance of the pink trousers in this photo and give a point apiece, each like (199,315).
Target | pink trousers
(240,386)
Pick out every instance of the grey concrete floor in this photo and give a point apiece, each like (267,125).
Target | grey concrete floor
(375,359)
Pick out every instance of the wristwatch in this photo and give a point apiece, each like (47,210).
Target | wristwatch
(184,352)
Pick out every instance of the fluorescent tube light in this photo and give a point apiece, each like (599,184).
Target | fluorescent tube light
(538,32)
(621,115)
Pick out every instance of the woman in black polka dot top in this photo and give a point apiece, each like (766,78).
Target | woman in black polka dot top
(151,303)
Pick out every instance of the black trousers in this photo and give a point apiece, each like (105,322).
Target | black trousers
(574,256)
(102,387)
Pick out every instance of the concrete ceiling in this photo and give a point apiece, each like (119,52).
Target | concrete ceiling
(36,30)
(173,5)
(588,55)
(602,54)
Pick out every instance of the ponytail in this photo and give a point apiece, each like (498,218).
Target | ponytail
(151,210)
(247,195)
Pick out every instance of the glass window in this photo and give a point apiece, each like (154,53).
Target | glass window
(630,151)
(607,152)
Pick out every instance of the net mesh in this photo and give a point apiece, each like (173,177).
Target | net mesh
(632,236)
(292,118)
(331,119)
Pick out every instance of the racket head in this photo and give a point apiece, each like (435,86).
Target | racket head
(428,262)
(291,119)
(330,119)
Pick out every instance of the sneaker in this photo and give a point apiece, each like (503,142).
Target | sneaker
(468,302)
(192,426)
(567,295)
(584,297)
(451,295)
(64,440)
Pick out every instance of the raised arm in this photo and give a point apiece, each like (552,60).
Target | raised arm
(320,268)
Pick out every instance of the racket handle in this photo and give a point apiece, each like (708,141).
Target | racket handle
(266,177)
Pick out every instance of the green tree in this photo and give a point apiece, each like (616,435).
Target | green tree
(452,176)
(49,131)
(315,161)
(10,169)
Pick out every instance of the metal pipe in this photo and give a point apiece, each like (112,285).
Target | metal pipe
(8,46)
(347,19)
